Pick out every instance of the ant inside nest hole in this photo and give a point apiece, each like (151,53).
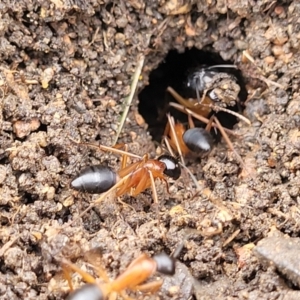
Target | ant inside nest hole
(193,90)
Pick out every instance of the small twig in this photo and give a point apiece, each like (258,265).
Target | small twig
(261,76)
(7,245)
(129,99)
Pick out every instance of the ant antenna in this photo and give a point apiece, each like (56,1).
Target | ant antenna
(222,66)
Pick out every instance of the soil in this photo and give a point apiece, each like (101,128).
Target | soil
(66,69)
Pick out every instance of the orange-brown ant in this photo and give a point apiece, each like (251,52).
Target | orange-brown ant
(191,109)
(132,278)
(132,179)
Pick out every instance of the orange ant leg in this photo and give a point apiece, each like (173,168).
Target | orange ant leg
(102,197)
(67,276)
(142,184)
(86,277)
(190,121)
(229,143)
(201,110)
(209,124)
(129,169)
(106,148)
(197,116)
(171,126)
(166,139)
(153,187)
(124,155)
(150,287)
(239,116)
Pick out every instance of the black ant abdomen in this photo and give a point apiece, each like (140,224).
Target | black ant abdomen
(172,167)
(165,264)
(88,291)
(198,140)
(94,179)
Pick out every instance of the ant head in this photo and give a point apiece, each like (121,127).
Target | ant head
(165,264)
(198,140)
(88,291)
(172,166)
(198,78)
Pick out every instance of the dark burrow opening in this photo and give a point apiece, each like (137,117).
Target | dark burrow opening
(174,71)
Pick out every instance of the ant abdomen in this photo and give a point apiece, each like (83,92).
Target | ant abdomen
(88,291)
(95,179)
(165,264)
(198,140)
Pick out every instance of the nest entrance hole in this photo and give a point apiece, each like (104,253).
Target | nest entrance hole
(173,71)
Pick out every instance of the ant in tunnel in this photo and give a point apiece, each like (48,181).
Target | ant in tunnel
(215,91)
(203,108)
(132,278)
(220,87)
(133,178)
(200,113)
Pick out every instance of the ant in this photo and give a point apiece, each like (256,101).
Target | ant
(191,109)
(220,87)
(202,108)
(135,274)
(217,90)
(133,178)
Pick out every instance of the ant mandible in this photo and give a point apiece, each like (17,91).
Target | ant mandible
(133,178)
(136,273)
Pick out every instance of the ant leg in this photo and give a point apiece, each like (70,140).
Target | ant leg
(106,148)
(199,106)
(172,124)
(239,116)
(150,287)
(102,197)
(191,122)
(197,116)
(143,183)
(86,277)
(166,139)
(229,143)
(154,194)
(180,99)
(198,188)
(124,157)
(126,204)
(67,276)
(169,148)
(209,124)
(133,167)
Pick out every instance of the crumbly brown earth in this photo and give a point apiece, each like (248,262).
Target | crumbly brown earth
(66,68)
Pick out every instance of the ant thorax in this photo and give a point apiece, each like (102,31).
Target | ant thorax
(220,87)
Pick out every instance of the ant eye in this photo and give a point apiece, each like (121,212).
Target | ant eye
(172,167)
(198,139)
(88,291)
(165,264)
